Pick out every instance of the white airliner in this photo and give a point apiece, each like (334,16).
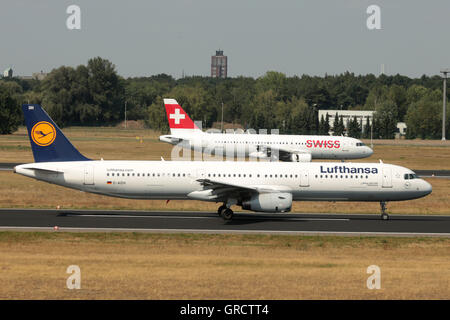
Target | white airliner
(256,186)
(297,148)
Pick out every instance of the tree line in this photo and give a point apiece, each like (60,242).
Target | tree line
(95,95)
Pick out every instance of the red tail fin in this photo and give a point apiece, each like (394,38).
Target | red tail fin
(179,120)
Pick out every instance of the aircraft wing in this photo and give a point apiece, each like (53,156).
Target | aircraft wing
(219,190)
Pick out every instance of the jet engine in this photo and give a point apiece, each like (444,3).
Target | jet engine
(269,202)
(301,157)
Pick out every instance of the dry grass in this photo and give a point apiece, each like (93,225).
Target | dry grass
(115,143)
(157,266)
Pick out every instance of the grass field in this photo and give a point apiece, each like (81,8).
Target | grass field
(190,266)
(143,144)
(199,266)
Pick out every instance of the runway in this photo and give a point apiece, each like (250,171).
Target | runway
(210,222)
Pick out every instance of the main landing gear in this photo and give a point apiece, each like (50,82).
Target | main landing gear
(384,215)
(225,212)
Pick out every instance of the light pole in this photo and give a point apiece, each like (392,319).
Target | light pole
(221,125)
(125,114)
(444,98)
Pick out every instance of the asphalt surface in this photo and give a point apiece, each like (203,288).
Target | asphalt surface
(204,222)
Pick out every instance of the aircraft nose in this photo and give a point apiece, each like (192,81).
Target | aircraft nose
(369,151)
(427,188)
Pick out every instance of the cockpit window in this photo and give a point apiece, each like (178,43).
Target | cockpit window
(410,176)
(360,144)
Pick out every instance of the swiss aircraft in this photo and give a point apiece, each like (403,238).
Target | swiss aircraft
(255,186)
(296,148)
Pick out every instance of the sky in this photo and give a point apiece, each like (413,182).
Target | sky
(296,37)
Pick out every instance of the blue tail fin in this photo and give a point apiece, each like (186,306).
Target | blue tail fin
(48,143)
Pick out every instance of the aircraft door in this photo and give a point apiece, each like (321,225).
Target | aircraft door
(345,145)
(304,179)
(387,178)
(88,175)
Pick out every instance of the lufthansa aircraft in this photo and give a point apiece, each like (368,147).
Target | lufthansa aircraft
(256,186)
(297,148)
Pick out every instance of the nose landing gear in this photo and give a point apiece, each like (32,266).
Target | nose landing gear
(384,215)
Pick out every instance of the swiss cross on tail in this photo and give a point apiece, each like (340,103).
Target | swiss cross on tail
(178,119)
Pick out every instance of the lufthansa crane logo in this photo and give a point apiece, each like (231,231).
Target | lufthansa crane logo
(43,133)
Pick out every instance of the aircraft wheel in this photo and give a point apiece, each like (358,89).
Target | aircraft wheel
(227,214)
(221,208)
(384,215)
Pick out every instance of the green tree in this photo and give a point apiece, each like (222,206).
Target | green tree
(322,126)
(157,118)
(10,114)
(354,128)
(338,125)
(366,129)
(424,117)
(386,116)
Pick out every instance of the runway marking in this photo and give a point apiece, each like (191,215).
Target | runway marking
(182,217)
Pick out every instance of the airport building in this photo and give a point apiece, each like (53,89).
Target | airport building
(219,65)
(347,116)
(8,73)
(361,116)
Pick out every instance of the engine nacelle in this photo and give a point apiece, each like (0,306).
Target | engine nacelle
(258,154)
(269,202)
(301,157)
